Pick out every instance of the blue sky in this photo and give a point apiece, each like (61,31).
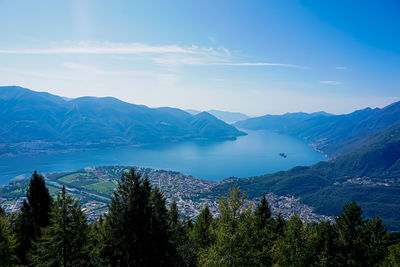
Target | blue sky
(255,57)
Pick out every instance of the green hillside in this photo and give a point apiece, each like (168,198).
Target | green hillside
(370,176)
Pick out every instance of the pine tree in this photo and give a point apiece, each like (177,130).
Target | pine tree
(349,227)
(161,249)
(263,213)
(182,249)
(7,242)
(294,248)
(324,244)
(96,242)
(63,242)
(35,215)
(136,225)
(259,233)
(176,232)
(201,233)
(393,257)
(230,247)
(375,242)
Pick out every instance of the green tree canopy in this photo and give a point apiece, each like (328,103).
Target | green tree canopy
(35,215)
(63,242)
(137,224)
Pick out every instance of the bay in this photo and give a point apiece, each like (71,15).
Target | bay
(254,154)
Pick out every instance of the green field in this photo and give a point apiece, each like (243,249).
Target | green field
(69,178)
(104,187)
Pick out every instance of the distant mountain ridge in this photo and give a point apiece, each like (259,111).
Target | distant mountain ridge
(369,175)
(42,120)
(226,116)
(332,134)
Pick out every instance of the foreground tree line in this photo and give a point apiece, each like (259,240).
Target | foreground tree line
(140,231)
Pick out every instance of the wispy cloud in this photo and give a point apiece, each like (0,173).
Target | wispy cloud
(167,55)
(330,82)
(341,68)
(106,49)
(267,64)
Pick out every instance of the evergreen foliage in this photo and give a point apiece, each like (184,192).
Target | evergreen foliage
(140,231)
(35,215)
(137,225)
(7,242)
(63,242)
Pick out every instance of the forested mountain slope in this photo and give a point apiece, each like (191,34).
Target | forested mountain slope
(370,176)
(333,134)
(51,121)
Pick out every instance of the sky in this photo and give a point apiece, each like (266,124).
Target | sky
(255,57)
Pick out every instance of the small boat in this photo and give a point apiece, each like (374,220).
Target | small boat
(283,155)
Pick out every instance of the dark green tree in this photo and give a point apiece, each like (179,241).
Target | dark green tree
(259,233)
(324,249)
(63,242)
(393,257)
(7,242)
(183,253)
(35,215)
(263,213)
(96,242)
(375,241)
(201,234)
(349,225)
(278,226)
(294,248)
(230,248)
(137,225)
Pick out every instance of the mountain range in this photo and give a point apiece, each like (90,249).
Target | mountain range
(331,134)
(369,175)
(32,120)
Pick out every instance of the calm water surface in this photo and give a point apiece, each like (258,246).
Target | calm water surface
(254,154)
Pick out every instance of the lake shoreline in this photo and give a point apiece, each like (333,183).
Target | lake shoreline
(254,154)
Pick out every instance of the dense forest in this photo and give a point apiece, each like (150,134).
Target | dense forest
(139,230)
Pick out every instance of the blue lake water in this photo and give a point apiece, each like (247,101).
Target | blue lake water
(251,155)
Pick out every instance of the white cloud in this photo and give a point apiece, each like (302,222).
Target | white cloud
(267,64)
(106,49)
(330,82)
(341,68)
(172,55)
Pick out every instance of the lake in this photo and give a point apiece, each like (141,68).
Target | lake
(254,154)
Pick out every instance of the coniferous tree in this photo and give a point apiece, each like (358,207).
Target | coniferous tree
(278,226)
(375,242)
(324,244)
(96,242)
(35,215)
(229,247)
(360,242)
(201,233)
(137,225)
(393,257)
(294,248)
(260,233)
(349,227)
(182,253)
(7,242)
(63,242)
(263,213)
(161,249)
